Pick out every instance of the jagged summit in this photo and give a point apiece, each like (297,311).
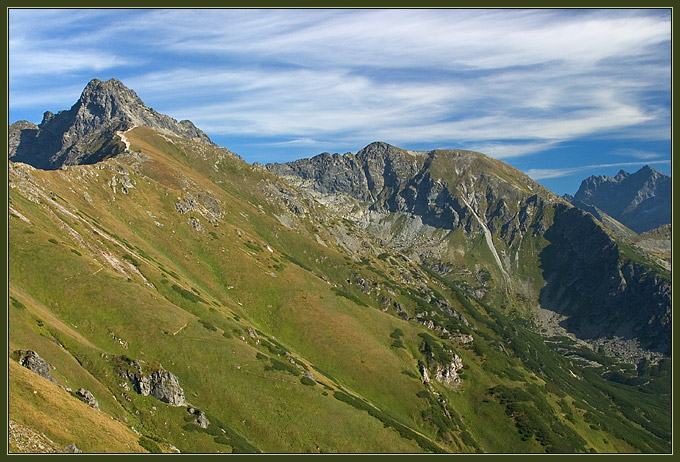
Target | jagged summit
(640,200)
(86,133)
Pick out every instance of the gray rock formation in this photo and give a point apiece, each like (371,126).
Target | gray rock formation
(201,419)
(35,363)
(88,397)
(448,373)
(157,382)
(641,200)
(73,449)
(86,133)
(17,131)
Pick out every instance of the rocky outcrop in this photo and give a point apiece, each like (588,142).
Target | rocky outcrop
(24,439)
(641,200)
(87,133)
(32,361)
(148,379)
(448,373)
(22,129)
(73,449)
(88,397)
(424,372)
(201,419)
(444,373)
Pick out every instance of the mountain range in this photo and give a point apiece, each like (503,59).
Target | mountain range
(388,301)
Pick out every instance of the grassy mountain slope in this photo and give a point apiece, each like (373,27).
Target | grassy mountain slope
(180,254)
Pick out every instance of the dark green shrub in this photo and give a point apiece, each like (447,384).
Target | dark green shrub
(307,381)
(149,445)
(131,259)
(349,296)
(254,247)
(398,344)
(187,294)
(397,333)
(207,325)
(281,366)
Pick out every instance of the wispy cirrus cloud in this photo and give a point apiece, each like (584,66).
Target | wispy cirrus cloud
(452,38)
(637,154)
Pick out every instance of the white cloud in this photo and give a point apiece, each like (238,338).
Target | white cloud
(452,38)
(306,103)
(23,63)
(52,99)
(637,154)
(508,150)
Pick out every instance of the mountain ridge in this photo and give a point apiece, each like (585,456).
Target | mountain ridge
(465,192)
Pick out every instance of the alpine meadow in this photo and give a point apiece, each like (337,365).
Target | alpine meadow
(170,297)
(359,231)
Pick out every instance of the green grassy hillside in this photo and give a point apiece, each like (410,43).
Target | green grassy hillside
(181,255)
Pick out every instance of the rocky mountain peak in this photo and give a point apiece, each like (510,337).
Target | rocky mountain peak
(108,101)
(377,149)
(103,109)
(622,175)
(640,200)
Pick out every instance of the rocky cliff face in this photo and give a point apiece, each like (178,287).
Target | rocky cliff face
(641,201)
(87,133)
(405,197)
(363,176)
(32,361)
(154,380)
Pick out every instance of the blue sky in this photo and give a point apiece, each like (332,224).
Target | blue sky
(559,94)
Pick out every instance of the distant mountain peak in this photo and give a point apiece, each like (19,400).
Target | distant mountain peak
(622,175)
(640,200)
(104,107)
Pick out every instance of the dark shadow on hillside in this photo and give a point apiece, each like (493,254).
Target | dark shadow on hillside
(602,294)
(43,149)
(27,150)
